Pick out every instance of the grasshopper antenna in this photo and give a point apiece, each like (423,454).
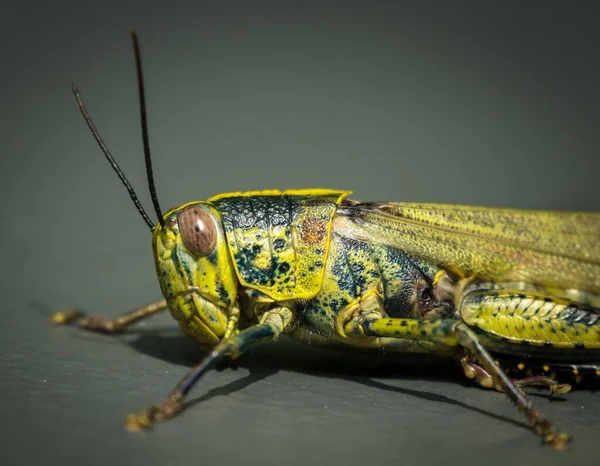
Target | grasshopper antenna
(110,158)
(143,118)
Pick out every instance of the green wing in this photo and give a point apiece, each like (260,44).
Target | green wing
(547,248)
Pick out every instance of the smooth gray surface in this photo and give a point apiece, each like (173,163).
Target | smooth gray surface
(461,103)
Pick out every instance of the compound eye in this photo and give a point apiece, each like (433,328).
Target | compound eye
(198,230)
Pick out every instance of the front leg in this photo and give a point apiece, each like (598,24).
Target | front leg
(104,325)
(272,324)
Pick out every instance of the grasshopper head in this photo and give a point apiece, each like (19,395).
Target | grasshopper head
(194,268)
(192,260)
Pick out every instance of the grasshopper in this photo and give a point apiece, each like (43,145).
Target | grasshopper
(483,286)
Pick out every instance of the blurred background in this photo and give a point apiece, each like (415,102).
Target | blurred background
(487,103)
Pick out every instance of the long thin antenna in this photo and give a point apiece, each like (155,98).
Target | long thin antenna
(147,157)
(110,158)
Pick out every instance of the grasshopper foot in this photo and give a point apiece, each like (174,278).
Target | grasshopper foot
(551,435)
(104,325)
(80,319)
(65,317)
(144,419)
(544,381)
(473,370)
(558,441)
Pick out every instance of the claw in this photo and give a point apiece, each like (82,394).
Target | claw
(65,317)
(560,388)
(558,440)
(552,436)
(137,422)
(144,419)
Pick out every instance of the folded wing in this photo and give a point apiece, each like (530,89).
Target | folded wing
(547,248)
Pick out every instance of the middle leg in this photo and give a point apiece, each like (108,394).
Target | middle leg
(452,332)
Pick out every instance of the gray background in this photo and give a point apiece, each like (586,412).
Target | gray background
(492,103)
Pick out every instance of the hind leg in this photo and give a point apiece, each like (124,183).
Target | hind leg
(474,371)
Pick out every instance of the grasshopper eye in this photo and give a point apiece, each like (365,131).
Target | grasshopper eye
(198,230)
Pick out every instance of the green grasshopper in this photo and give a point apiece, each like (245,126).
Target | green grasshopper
(478,285)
